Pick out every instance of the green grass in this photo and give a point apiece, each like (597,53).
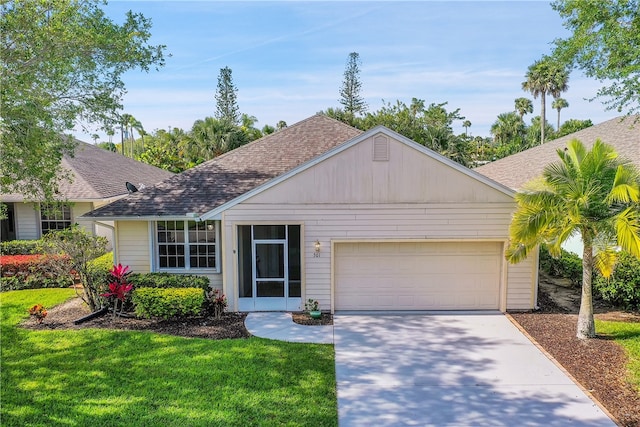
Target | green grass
(628,336)
(94,377)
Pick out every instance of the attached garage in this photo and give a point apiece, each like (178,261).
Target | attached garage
(417,275)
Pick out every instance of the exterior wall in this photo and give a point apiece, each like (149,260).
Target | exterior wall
(134,249)
(132,238)
(349,196)
(81,208)
(424,222)
(27,221)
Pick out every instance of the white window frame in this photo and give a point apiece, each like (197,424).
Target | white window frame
(187,260)
(43,208)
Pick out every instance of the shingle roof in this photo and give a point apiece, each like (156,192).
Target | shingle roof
(222,179)
(517,169)
(98,174)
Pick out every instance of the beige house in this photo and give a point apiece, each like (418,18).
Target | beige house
(97,177)
(358,221)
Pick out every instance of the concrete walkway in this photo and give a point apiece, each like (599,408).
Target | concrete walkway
(280,326)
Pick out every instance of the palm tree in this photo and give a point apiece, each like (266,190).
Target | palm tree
(559,104)
(591,193)
(466,125)
(545,76)
(507,128)
(523,106)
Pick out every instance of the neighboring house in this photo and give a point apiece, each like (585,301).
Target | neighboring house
(517,169)
(98,177)
(623,133)
(358,221)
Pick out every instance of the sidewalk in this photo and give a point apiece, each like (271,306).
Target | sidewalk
(280,326)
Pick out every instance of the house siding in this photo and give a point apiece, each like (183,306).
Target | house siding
(352,197)
(134,250)
(27,221)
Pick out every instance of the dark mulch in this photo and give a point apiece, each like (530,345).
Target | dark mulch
(230,325)
(305,319)
(599,364)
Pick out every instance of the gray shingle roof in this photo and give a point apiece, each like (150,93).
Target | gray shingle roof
(220,180)
(98,174)
(517,169)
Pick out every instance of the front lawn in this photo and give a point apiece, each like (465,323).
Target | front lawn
(91,377)
(628,336)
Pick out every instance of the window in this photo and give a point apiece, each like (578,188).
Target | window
(54,217)
(186,244)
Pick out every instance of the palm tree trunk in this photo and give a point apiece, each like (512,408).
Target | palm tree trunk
(543,112)
(558,128)
(586,324)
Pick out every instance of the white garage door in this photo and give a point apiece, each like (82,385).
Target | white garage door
(417,276)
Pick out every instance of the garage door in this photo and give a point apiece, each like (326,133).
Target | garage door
(417,276)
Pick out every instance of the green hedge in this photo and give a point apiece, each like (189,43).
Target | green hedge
(168,280)
(168,303)
(623,287)
(20,247)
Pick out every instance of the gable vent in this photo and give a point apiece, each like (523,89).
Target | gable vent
(380,149)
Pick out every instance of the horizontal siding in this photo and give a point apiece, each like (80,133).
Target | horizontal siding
(330,222)
(520,279)
(133,245)
(27,221)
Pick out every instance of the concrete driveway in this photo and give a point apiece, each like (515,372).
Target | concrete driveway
(471,369)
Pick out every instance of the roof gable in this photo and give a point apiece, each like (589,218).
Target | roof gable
(379,167)
(516,170)
(214,183)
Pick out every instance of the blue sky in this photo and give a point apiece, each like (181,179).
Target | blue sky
(288,58)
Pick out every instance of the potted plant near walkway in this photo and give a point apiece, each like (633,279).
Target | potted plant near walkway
(313,308)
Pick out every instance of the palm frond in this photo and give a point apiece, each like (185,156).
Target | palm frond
(628,230)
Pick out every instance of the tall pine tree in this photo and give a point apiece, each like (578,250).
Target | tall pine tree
(350,97)
(226,103)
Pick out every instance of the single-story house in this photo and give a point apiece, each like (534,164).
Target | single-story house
(623,133)
(356,220)
(97,177)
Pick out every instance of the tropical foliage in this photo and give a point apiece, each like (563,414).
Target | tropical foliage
(592,193)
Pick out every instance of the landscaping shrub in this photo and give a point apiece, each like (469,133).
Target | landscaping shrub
(168,302)
(568,265)
(168,280)
(81,248)
(623,287)
(20,247)
(32,271)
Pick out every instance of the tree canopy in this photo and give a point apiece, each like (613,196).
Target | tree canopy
(592,193)
(350,97)
(605,44)
(61,65)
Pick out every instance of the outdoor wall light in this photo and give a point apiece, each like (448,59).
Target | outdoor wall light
(317,248)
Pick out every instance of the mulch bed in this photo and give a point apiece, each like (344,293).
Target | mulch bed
(599,364)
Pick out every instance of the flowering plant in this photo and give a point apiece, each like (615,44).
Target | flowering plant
(312,305)
(219,302)
(39,312)
(119,287)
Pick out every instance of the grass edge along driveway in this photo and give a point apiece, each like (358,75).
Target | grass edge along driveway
(112,378)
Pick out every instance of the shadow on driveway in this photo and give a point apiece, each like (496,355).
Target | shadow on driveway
(450,370)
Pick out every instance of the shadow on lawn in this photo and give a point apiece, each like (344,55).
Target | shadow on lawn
(98,377)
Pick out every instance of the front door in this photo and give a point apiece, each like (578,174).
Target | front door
(269,268)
